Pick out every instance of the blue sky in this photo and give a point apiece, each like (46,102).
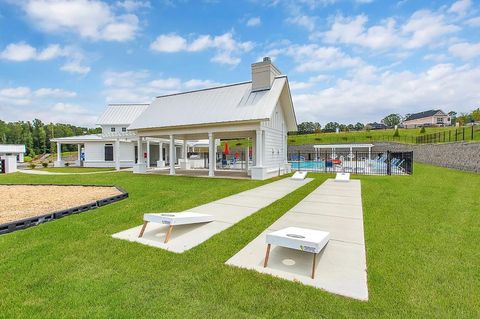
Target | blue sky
(347,60)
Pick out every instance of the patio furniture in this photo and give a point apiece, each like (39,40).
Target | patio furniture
(174,219)
(308,240)
(299,176)
(342,177)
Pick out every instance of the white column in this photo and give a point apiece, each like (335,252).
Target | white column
(172,155)
(59,152)
(259,148)
(117,154)
(79,150)
(148,153)
(246,158)
(59,162)
(160,151)
(211,154)
(184,150)
(139,151)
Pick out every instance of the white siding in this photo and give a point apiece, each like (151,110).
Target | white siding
(95,154)
(106,129)
(275,140)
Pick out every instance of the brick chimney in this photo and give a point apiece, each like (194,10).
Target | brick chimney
(263,74)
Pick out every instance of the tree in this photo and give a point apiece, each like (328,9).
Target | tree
(476,115)
(392,120)
(359,126)
(309,127)
(331,127)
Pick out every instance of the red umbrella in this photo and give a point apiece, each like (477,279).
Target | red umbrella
(226,149)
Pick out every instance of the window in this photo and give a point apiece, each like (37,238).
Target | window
(108,152)
(124,129)
(112,129)
(439,120)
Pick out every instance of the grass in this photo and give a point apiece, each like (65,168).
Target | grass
(75,169)
(405,136)
(421,239)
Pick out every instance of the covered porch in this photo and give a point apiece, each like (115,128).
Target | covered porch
(211,161)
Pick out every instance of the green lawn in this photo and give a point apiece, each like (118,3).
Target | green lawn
(422,236)
(75,169)
(405,136)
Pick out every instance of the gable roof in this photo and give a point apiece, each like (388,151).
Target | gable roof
(421,115)
(222,104)
(121,114)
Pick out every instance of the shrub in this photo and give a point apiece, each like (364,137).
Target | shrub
(422,130)
(45,164)
(32,165)
(67,164)
(27,159)
(318,139)
(238,144)
(291,141)
(368,136)
(396,133)
(344,138)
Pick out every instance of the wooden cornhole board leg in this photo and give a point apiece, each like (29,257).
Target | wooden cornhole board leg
(169,232)
(143,229)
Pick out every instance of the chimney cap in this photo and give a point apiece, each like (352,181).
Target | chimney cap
(267,59)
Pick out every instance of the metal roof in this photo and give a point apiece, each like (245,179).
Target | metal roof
(229,103)
(12,148)
(79,138)
(421,115)
(121,114)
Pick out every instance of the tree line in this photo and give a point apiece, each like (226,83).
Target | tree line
(36,135)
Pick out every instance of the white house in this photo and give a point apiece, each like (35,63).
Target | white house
(116,146)
(260,109)
(10,155)
(427,118)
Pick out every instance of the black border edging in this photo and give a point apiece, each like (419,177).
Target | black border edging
(36,220)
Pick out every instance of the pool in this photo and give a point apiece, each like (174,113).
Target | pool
(308,165)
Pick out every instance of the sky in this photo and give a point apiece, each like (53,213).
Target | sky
(346,60)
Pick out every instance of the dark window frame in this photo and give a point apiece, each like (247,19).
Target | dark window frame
(108,154)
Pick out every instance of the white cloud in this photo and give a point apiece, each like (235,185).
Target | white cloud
(227,49)
(465,50)
(23,103)
(312,57)
(91,19)
(425,27)
(132,5)
(142,87)
(169,43)
(460,7)
(353,31)
(366,96)
(21,52)
(473,22)
(305,21)
(422,28)
(254,22)
(54,93)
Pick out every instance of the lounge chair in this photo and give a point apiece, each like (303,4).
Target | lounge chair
(174,219)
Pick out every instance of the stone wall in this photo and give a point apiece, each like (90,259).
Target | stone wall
(460,155)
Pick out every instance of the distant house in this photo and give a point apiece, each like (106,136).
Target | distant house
(377,126)
(427,118)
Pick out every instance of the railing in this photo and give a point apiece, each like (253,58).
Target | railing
(460,134)
(362,163)
(2,166)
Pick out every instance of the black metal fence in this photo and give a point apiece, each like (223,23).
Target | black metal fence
(456,135)
(2,166)
(363,163)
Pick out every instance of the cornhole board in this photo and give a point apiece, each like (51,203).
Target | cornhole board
(299,176)
(342,177)
(174,219)
(308,240)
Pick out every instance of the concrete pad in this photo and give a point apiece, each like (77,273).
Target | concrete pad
(341,265)
(341,229)
(316,208)
(227,211)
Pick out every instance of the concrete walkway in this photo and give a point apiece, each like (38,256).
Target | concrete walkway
(227,211)
(335,207)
